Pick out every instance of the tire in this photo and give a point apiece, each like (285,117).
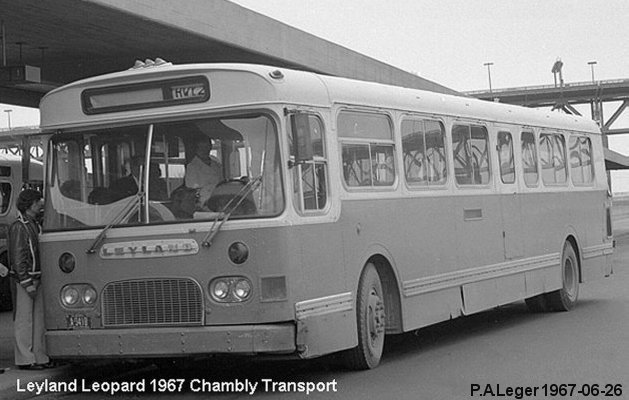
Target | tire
(370,318)
(565,298)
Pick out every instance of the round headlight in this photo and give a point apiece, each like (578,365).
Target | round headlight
(70,296)
(220,290)
(67,262)
(242,289)
(89,296)
(238,252)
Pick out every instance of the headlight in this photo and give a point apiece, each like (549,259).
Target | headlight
(230,289)
(67,262)
(70,296)
(89,296)
(220,290)
(78,295)
(242,289)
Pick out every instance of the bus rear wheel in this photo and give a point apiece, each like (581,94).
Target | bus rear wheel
(565,298)
(370,317)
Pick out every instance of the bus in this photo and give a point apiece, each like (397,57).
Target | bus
(339,212)
(18,170)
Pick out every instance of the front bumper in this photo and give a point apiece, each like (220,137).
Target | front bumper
(177,341)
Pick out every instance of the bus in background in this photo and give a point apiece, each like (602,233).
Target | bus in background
(14,176)
(334,212)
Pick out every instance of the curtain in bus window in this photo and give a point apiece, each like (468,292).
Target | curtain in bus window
(559,156)
(576,169)
(461,153)
(546,158)
(424,152)
(480,154)
(437,166)
(529,159)
(357,165)
(505,157)
(553,158)
(581,166)
(414,150)
(383,169)
(471,157)
(586,160)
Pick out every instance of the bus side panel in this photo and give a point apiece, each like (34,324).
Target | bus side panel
(325,312)
(431,308)
(490,293)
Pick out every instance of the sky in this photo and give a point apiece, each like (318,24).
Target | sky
(449,41)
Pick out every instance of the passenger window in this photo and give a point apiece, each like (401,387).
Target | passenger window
(529,159)
(505,157)
(310,176)
(368,155)
(423,146)
(553,158)
(471,158)
(581,166)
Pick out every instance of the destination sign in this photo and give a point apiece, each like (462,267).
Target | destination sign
(144,95)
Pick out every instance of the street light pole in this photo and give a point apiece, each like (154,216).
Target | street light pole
(592,64)
(488,65)
(8,111)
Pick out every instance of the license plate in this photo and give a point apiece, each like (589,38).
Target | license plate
(78,321)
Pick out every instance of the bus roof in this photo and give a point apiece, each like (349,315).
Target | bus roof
(250,84)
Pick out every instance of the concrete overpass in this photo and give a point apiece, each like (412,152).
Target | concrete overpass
(52,42)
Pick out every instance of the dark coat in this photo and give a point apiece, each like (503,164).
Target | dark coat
(24,250)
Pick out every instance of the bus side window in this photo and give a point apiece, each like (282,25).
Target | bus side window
(310,171)
(367,149)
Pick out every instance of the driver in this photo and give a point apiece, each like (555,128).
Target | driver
(204,171)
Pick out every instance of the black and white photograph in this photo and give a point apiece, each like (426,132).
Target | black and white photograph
(314,199)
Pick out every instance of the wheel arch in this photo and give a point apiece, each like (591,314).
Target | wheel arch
(572,239)
(391,288)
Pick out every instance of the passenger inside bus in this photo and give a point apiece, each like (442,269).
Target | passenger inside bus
(185,201)
(128,185)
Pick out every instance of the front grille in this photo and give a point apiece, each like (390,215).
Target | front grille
(165,301)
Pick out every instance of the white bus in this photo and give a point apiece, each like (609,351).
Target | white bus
(343,211)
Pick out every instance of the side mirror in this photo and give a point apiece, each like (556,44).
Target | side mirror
(302,140)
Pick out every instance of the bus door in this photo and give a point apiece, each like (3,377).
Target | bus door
(509,197)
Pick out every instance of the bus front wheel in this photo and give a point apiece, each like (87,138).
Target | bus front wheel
(565,298)
(370,317)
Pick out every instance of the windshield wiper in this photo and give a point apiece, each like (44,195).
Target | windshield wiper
(229,208)
(132,206)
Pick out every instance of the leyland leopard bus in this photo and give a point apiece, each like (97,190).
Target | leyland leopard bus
(338,212)
(18,169)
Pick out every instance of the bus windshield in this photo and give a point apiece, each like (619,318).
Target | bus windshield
(192,171)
